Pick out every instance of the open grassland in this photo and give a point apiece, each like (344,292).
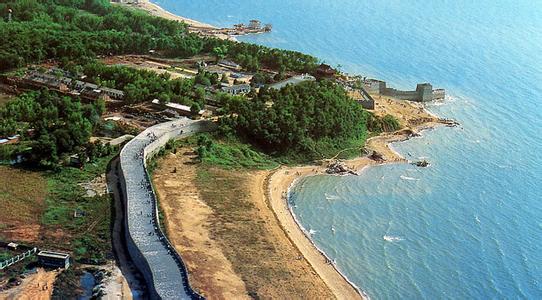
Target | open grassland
(22,199)
(74,221)
(51,210)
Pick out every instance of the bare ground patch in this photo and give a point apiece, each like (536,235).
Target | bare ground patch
(187,222)
(251,238)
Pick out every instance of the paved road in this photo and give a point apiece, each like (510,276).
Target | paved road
(134,278)
(159,263)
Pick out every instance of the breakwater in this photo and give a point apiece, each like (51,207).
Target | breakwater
(162,267)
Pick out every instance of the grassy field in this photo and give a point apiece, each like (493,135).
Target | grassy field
(38,209)
(88,235)
(228,153)
(22,199)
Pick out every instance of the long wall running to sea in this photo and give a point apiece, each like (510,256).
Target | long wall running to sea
(161,266)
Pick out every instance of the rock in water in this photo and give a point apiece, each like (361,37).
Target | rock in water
(339,168)
(423,163)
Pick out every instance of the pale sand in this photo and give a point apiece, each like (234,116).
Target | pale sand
(189,222)
(38,286)
(158,11)
(411,115)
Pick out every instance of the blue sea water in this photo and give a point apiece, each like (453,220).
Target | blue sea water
(470,225)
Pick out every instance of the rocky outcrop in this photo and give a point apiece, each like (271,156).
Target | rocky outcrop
(339,168)
(422,163)
(376,156)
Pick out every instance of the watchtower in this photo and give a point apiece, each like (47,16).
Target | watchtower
(425,92)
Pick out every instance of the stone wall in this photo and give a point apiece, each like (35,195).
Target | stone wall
(162,267)
(424,91)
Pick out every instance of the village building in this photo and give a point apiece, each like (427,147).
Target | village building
(254,24)
(236,89)
(54,259)
(229,64)
(325,71)
(67,85)
(292,80)
(179,108)
(14,139)
(36,78)
(113,93)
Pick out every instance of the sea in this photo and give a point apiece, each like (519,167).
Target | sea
(469,226)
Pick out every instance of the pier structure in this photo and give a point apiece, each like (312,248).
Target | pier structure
(254,27)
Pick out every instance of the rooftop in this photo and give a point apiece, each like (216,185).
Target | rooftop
(52,254)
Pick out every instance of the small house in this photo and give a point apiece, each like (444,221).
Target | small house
(13,246)
(325,71)
(292,80)
(113,93)
(179,108)
(229,64)
(236,89)
(54,259)
(254,24)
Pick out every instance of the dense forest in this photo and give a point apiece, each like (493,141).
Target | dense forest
(81,29)
(142,85)
(52,124)
(313,119)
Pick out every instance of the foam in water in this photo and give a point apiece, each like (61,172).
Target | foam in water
(389,238)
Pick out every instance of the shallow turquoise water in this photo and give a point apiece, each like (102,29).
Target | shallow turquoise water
(470,225)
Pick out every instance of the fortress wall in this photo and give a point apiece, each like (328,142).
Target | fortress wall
(404,95)
(164,132)
(133,250)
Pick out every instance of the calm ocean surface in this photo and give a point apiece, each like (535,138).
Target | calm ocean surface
(470,225)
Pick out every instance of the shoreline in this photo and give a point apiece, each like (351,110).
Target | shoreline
(277,194)
(283,179)
(322,252)
(156,10)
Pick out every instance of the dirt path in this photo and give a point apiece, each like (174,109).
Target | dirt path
(37,286)
(187,225)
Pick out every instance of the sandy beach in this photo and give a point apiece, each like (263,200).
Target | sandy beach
(272,193)
(413,117)
(193,25)
(158,11)
(253,206)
